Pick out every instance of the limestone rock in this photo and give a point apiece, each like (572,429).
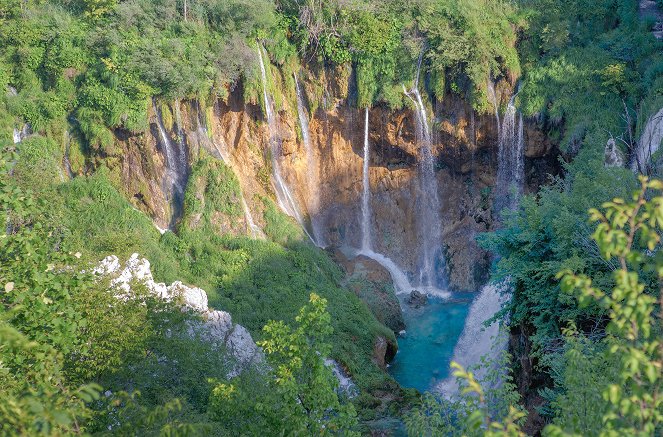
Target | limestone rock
(613,156)
(217,326)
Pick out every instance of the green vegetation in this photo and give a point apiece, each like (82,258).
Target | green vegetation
(74,359)
(619,373)
(301,399)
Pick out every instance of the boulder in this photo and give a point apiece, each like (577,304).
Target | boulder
(417,299)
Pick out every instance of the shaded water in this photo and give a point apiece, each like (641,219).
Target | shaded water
(427,346)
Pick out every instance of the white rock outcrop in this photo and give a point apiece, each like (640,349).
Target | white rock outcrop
(217,326)
(649,143)
(613,156)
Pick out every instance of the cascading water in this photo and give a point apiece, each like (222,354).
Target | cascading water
(284,197)
(401,283)
(176,166)
(511,163)
(429,208)
(312,169)
(366,192)
(478,340)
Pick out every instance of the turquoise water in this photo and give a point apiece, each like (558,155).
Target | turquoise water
(426,348)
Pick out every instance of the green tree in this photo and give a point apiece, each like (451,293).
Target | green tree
(629,232)
(302,398)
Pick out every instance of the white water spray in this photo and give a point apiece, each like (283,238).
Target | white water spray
(169,150)
(311,171)
(478,340)
(366,192)
(284,197)
(511,159)
(430,222)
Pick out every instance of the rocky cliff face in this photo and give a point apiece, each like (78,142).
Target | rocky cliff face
(464,149)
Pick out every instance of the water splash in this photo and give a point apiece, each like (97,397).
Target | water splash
(254,229)
(366,192)
(478,340)
(511,159)
(284,197)
(21,134)
(311,170)
(429,208)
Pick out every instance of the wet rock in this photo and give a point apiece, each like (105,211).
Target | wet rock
(383,351)
(417,299)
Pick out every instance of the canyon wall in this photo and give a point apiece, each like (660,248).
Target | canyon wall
(464,146)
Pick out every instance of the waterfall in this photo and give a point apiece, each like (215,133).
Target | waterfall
(312,176)
(478,340)
(254,229)
(429,208)
(366,193)
(176,166)
(493,99)
(284,197)
(21,134)
(511,162)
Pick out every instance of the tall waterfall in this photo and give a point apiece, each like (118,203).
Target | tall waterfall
(401,283)
(312,176)
(511,159)
(366,192)
(476,339)
(430,222)
(284,197)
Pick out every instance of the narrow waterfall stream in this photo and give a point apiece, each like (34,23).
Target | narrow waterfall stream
(176,167)
(511,164)
(429,207)
(284,197)
(366,192)
(312,176)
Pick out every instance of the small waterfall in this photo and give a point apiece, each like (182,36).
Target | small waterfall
(312,169)
(493,98)
(176,166)
(366,193)
(430,222)
(21,134)
(511,159)
(284,197)
(254,229)
(476,339)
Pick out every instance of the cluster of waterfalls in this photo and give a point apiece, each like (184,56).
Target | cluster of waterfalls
(465,338)
(474,339)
